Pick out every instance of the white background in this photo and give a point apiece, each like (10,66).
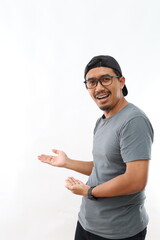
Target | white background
(44,47)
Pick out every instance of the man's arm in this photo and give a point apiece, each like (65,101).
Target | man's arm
(132,181)
(62,160)
(84,167)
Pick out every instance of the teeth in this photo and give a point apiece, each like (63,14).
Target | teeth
(100,97)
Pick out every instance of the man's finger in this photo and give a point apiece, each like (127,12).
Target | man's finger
(56,151)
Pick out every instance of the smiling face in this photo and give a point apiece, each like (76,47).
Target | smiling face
(110,98)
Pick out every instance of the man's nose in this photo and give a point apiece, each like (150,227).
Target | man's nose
(99,87)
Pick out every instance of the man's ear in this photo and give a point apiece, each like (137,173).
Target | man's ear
(122,81)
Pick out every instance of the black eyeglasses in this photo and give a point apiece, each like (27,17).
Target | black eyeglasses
(104,80)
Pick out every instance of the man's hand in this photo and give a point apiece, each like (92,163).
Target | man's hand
(76,186)
(60,160)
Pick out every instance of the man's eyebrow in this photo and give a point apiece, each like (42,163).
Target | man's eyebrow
(93,78)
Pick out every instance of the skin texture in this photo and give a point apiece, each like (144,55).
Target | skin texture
(135,177)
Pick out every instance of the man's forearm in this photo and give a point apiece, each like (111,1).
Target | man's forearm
(120,185)
(80,166)
(132,181)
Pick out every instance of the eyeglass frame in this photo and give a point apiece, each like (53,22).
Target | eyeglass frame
(99,80)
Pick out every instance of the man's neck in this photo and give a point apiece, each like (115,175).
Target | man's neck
(119,106)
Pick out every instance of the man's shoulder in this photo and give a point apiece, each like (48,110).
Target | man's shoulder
(135,118)
(130,112)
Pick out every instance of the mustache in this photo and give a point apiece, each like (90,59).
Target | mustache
(101,92)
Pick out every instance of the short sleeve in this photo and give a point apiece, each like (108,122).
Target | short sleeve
(136,138)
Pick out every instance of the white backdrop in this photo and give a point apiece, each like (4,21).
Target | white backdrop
(44,47)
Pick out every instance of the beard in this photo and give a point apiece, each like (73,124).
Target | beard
(105,108)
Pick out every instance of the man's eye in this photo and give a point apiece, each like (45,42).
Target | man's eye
(106,79)
(91,82)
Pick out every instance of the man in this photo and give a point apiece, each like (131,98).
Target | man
(113,197)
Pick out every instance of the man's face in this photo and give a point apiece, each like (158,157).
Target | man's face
(106,97)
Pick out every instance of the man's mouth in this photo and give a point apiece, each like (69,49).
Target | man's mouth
(102,96)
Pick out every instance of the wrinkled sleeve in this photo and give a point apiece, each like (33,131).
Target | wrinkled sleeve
(136,139)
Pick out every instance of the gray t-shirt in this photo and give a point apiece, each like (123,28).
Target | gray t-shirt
(124,137)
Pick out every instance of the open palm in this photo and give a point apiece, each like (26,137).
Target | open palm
(58,161)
